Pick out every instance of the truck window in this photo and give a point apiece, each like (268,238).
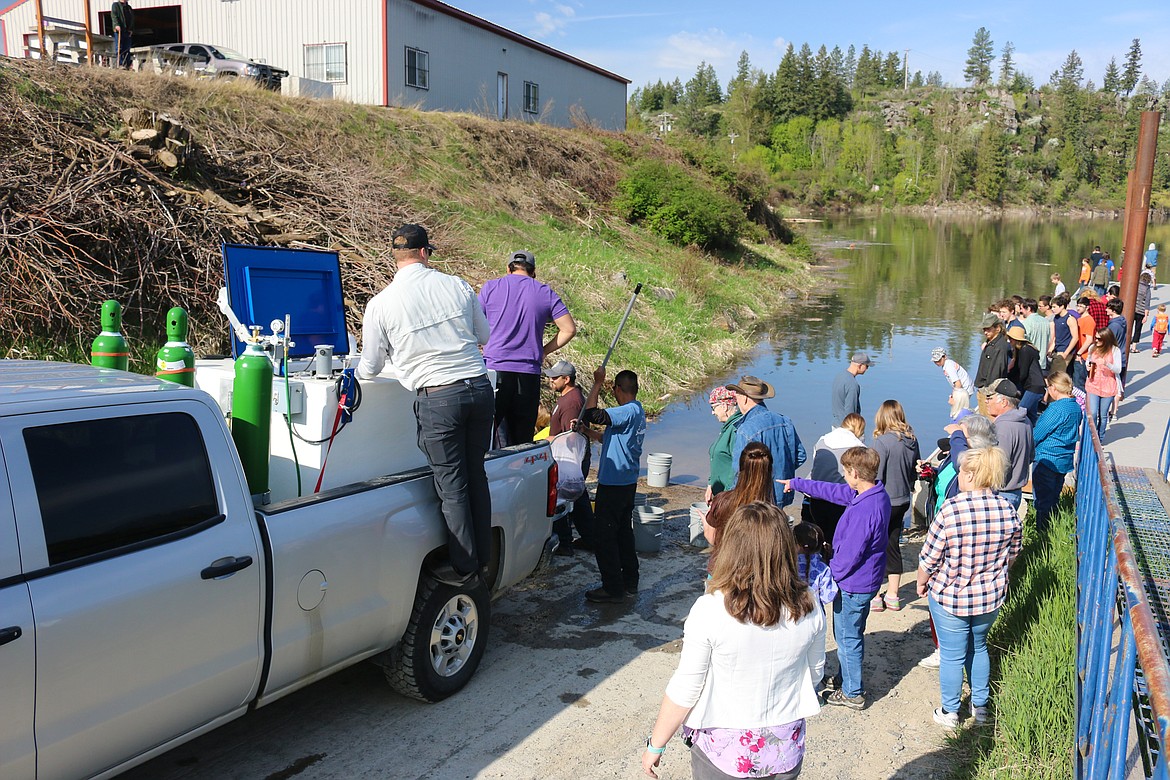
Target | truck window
(105,484)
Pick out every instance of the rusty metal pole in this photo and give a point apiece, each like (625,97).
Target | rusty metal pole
(1137,214)
(41,29)
(88,36)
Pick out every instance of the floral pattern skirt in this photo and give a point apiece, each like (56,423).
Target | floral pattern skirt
(758,752)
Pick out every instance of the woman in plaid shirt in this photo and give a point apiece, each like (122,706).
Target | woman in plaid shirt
(963,567)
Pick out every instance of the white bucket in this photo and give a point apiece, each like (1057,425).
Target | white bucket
(698,510)
(658,469)
(648,522)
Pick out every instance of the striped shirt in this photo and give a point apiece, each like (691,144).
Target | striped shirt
(971,542)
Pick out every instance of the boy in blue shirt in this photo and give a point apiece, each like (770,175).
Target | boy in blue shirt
(617,485)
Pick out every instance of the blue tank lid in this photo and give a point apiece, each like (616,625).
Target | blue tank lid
(265,283)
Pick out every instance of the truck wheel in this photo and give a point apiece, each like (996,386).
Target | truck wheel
(443,643)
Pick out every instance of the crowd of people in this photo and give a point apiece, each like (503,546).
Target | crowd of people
(753,663)
(1046,366)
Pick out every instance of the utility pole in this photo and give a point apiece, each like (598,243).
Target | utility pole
(731,137)
(905,69)
(41,29)
(1137,212)
(88,36)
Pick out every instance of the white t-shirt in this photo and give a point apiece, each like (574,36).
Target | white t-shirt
(956,373)
(1059,289)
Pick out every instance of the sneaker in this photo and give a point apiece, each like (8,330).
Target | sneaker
(631,590)
(603,596)
(893,603)
(839,698)
(931,661)
(981,714)
(877,605)
(948,719)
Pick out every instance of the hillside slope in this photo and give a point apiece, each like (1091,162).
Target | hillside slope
(90,208)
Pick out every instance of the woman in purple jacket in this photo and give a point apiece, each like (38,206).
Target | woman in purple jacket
(859,561)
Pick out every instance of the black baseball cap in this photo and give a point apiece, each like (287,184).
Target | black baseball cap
(410,236)
(524,256)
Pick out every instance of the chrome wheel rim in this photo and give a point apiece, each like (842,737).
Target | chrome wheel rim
(453,635)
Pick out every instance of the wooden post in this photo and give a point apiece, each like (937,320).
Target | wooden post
(88,36)
(41,29)
(1137,213)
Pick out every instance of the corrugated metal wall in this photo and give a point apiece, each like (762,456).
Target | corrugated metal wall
(271,31)
(465,62)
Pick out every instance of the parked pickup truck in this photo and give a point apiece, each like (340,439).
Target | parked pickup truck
(145,601)
(217,61)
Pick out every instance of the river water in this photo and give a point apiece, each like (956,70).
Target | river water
(897,286)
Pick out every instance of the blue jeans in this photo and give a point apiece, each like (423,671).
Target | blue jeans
(850,611)
(1013,497)
(1079,374)
(1030,402)
(1099,413)
(454,430)
(1046,486)
(962,645)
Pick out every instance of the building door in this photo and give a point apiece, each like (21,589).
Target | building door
(152,26)
(501,96)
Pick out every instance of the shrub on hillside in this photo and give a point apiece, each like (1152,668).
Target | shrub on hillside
(672,203)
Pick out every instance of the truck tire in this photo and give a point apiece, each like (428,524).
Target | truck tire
(443,643)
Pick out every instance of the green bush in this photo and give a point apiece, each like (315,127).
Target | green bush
(676,206)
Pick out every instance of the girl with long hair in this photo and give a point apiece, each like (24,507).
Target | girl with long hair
(1103,385)
(754,484)
(753,649)
(898,453)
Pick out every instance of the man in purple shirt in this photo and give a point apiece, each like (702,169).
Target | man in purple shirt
(518,309)
(858,564)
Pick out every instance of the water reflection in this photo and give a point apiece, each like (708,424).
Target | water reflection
(897,287)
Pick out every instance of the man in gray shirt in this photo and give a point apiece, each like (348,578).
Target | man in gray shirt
(846,390)
(429,327)
(1014,431)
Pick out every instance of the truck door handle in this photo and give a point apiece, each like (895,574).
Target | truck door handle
(10,634)
(225,566)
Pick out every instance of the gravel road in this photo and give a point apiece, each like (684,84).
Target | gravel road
(568,689)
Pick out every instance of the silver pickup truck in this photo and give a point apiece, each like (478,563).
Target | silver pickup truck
(145,601)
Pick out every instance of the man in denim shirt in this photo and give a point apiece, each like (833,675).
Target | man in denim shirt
(759,423)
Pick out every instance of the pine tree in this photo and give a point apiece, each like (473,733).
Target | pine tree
(1073,120)
(1022,82)
(1133,67)
(1071,72)
(838,61)
(849,67)
(917,80)
(979,56)
(1112,81)
(1007,65)
(934,79)
(991,164)
(700,98)
(865,77)
(892,70)
(784,99)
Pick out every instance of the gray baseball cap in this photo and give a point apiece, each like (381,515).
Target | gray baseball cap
(561,368)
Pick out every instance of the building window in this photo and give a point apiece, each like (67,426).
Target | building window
(531,97)
(418,68)
(326,62)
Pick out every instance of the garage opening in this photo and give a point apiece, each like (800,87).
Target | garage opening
(152,26)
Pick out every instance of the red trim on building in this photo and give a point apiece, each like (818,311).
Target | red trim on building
(484,24)
(3,40)
(385,53)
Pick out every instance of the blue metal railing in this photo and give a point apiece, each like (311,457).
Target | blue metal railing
(1120,662)
(1164,454)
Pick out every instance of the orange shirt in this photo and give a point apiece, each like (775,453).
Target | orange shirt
(1087,328)
(1086,272)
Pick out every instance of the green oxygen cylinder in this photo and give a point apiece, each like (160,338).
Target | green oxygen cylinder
(109,349)
(252,413)
(175,361)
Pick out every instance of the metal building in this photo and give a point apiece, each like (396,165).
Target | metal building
(417,53)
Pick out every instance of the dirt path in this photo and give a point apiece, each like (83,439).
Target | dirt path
(569,690)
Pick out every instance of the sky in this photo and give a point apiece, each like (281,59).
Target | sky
(650,40)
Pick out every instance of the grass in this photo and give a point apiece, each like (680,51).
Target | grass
(349,174)
(1033,657)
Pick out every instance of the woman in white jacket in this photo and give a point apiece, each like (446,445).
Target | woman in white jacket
(753,649)
(826,467)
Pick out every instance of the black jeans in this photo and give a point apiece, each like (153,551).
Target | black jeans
(517,399)
(613,538)
(454,430)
